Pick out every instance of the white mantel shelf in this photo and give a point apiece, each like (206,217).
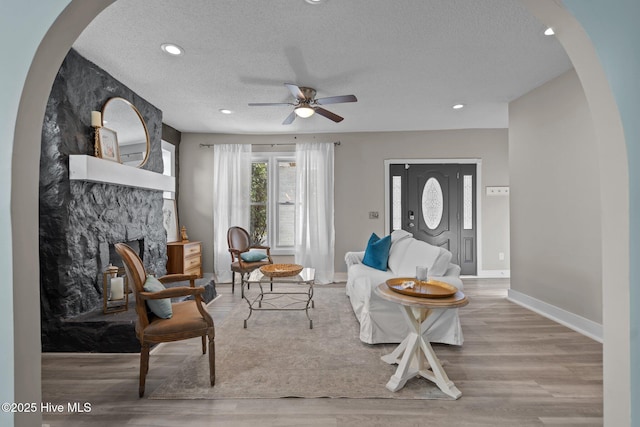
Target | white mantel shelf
(93,169)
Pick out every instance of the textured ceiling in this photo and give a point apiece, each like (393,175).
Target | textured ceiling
(407,61)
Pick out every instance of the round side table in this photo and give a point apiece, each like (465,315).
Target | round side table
(414,355)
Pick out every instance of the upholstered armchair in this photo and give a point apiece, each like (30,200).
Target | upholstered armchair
(174,321)
(239,248)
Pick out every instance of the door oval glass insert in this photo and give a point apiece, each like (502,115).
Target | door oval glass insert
(432,203)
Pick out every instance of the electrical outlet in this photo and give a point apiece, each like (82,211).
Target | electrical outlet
(501,256)
(373,215)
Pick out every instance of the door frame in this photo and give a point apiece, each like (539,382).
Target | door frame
(465,161)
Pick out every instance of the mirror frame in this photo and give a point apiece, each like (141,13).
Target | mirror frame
(144,125)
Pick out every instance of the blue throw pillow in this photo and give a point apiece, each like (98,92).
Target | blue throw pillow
(253,256)
(159,307)
(376,254)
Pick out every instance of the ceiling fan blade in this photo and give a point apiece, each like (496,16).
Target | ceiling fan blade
(290,118)
(268,104)
(328,114)
(295,90)
(336,99)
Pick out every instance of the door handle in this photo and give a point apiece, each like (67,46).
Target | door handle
(411,224)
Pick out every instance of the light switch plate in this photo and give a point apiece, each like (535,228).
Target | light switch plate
(497,191)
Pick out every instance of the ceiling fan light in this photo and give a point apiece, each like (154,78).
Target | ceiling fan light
(304,111)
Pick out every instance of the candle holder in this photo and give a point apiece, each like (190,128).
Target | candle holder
(96,124)
(115,291)
(96,141)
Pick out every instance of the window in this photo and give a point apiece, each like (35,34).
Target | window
(273,196)
(396,191)
(169,165)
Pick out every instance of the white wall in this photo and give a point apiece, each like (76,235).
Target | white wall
(359,188)
(556,246)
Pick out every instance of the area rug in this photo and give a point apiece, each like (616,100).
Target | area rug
(279,356)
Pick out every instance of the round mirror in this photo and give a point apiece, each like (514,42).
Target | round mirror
(123,117)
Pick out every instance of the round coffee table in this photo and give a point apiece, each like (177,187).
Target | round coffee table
(414,355)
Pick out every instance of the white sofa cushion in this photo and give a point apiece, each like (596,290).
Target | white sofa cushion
(405,254)
(441,264)
(398,235)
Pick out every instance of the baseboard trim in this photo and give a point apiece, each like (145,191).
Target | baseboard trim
(339,277)
(579,324)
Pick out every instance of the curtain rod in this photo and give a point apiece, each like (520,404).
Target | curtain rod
(273,145)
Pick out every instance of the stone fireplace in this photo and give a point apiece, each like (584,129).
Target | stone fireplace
(81,220)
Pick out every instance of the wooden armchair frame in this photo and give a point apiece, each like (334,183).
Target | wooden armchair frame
(190,318)
(239,242)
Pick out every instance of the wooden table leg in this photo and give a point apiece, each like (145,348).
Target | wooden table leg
(415,356)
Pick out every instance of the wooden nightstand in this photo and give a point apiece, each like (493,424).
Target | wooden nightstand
(184,258)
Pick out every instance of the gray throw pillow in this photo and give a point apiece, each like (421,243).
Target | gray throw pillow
(159,307)
(253,256)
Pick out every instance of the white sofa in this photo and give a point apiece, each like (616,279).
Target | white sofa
(380,320)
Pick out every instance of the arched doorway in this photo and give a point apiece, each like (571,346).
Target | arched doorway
(612,154)
(46,61)
(24,199)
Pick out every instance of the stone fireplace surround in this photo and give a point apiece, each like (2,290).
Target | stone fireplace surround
(79,219)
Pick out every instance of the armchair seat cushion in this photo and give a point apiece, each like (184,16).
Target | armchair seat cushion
(249,266)
(186,317)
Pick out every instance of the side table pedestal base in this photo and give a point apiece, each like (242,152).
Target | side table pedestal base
(415,357)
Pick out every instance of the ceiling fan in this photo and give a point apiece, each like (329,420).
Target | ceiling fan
(306,104)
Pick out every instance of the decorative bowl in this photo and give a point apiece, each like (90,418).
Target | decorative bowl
(281,270)
(418,288)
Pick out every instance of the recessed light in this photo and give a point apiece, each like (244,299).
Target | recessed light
(172,49)
(458,106)
(225,111)
(315,1)
(549,32)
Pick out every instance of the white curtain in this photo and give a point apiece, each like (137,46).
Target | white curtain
(315,232)
(231,194)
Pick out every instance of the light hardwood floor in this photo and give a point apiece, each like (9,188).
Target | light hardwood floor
(516,368)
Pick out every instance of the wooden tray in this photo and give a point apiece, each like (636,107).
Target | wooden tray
(281,270)
(429,289)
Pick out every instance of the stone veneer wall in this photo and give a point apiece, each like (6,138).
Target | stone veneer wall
(78,219)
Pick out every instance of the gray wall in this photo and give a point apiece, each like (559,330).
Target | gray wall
(555,199)
(359,188)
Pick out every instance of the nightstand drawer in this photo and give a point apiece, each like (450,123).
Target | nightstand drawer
(191,262)
(192,249)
